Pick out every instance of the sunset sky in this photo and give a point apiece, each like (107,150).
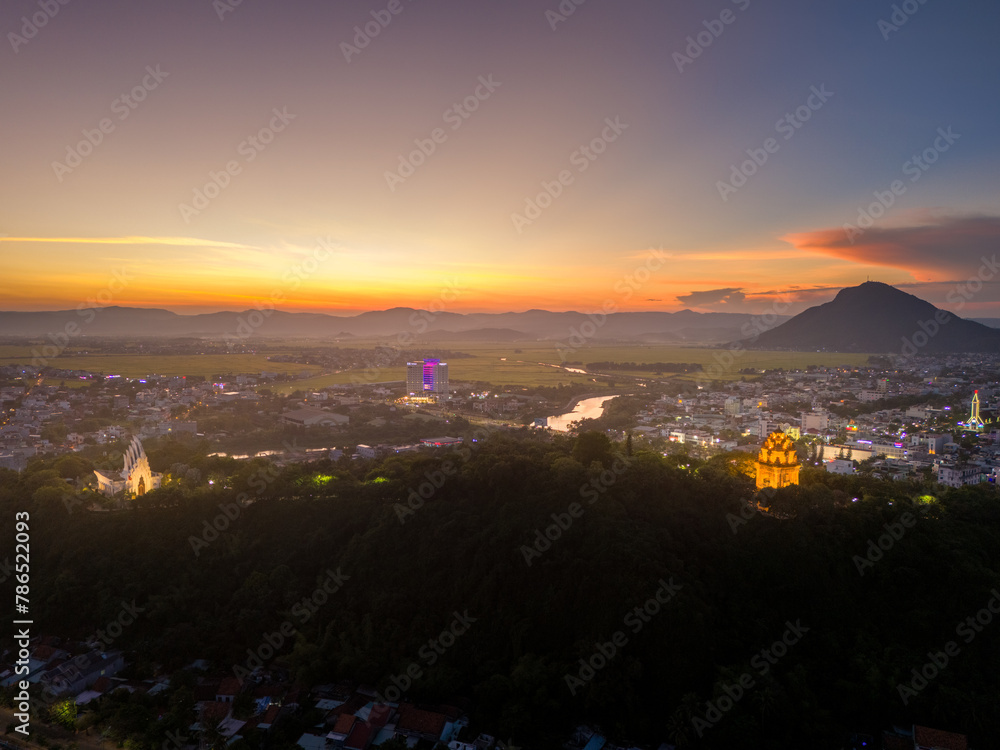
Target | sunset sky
(316,207)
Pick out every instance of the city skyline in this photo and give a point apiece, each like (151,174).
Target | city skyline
(363,157)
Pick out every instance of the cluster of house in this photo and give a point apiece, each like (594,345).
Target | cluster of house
(353,717)
(25,411)
(152,406)
(917,737)
(356,719)
(63,671)
(906,441)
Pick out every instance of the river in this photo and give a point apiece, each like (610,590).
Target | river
(588,408)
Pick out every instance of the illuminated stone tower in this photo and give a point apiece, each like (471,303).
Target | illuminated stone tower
(975,421)
(777,462)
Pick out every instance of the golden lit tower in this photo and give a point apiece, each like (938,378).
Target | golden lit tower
(777,462)
(975,421)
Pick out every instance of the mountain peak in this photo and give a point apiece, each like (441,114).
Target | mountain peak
(874,317)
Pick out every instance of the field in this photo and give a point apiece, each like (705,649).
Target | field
(141,365)
(527,364)
(539,364)
(481,367)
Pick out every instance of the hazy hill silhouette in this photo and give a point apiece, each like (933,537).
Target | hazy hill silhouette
(878,318)
(683,326)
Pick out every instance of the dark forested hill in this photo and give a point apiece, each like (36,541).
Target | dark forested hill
(605,535)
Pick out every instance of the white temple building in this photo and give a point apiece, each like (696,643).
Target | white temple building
(135,478)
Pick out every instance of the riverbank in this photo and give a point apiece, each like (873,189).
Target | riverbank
(577,399)
(583,408)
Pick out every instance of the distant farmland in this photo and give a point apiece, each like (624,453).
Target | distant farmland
(141,365)
(526,363)
(537,364)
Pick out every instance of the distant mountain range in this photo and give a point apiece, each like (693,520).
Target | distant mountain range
(873,318)
(684,327)
(878,318)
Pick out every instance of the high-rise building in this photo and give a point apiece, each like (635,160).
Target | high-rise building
(428,377)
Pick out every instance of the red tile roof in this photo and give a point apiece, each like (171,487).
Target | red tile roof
(413,719)
(935,738)
(44,652)
(344,724)
(270,715)
(896,742)
(359,737)
(351,706)
(380,715)
(213,712)
(230,685)
(206,691)
(271,690)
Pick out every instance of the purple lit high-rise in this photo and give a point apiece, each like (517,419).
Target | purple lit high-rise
(428,377)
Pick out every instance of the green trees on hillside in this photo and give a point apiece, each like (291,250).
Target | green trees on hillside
(607,533)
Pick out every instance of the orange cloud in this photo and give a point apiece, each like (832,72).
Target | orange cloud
(943,248)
